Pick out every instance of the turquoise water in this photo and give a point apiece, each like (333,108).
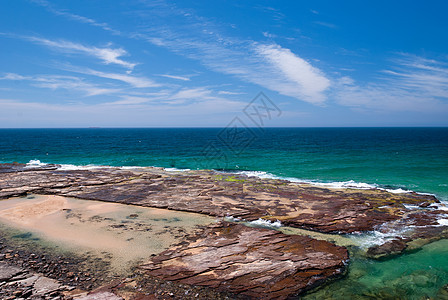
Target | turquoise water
(407,158)
(420,275)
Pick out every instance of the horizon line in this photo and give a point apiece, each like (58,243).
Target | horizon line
(223,127)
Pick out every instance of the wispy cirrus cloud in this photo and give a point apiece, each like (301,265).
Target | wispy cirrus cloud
(183,78)
(268,34)
(268,65)
(413,83)
(175,96)
(13,76)
(295,76)
(106,54)
(135,81)
(74,17)
(70,83)
(230,93)
(144,114)
(325,24)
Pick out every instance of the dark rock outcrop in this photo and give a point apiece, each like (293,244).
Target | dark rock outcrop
(388,249)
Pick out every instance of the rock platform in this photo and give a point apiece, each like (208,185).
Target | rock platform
(251,262)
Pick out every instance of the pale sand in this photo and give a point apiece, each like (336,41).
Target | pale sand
(104,228)
(124,233)
(31,211)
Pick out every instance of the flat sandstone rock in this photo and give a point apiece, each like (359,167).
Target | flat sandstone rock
(224,194)
(255,262)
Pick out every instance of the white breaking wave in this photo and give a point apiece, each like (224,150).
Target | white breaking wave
(443,222)
(176,170)
(232,219)
(131,167)
(265,223)
(68,167)
(411,206)
(34,163)
(372,238)
(260,174)
(439,206)
(334,185)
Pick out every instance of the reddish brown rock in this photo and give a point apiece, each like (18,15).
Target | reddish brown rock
(224,194)
(219,194)
(258,263)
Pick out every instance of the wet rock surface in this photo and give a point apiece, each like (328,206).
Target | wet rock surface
(255,262)
(388,249)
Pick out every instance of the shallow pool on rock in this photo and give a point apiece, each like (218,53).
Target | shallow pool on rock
(122,234)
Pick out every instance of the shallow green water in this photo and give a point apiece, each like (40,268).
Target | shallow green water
(417,275)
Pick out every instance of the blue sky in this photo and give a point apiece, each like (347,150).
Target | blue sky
(164,63)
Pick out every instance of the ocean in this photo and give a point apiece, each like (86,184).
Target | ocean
(396,159)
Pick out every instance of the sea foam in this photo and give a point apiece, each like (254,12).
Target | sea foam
(260,174)
(334,185)
(265,223)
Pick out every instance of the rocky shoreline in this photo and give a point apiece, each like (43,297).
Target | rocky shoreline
(229,260)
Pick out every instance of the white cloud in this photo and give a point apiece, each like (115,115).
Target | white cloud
(74,17)
(15,113)
(107,55)
(299,79)
(70,83)
(13,76)
(183,78)
(195,93)
(267,65)
(325,24)
(184,96)
(130,100)
(413,84)
(268,35)
(135,81)
(229,93)
(199,39)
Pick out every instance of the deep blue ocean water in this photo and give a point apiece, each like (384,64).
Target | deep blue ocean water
(408,158)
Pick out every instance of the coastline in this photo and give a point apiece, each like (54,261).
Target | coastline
(261,202)
(351,184)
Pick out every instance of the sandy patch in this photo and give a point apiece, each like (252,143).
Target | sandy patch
(28,213)
(123,234)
